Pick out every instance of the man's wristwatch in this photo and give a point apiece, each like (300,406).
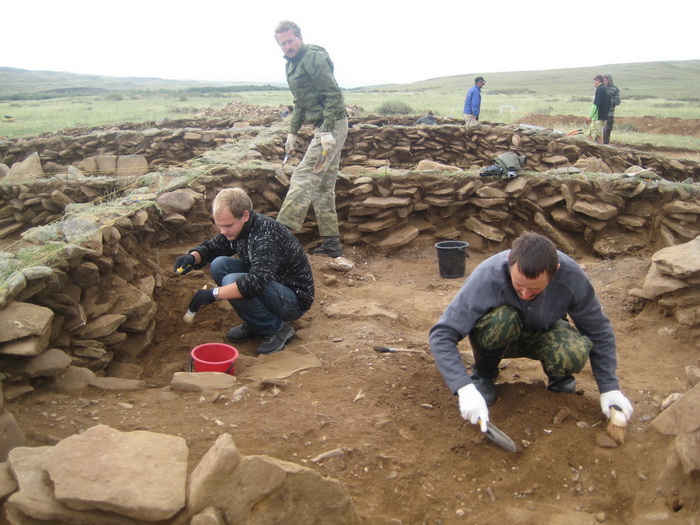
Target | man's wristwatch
(215,293)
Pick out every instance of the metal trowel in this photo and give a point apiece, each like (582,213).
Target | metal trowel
(390,350)
(281,175)
(499,437)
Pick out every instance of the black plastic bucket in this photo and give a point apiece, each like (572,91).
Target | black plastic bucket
(452,258)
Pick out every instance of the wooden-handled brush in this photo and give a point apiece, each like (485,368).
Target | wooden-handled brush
(189,316)
(617,425)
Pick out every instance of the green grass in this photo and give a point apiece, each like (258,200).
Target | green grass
(50,116)
(554,92)
(450,104)
(35,117)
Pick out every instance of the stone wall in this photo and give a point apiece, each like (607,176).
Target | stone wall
(371,142)
(606,215)
(404,146)
(93,298)
(106,156)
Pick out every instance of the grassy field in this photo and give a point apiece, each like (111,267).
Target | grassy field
(34,117)
(661,89)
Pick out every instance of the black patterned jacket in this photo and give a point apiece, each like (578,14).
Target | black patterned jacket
(270,252)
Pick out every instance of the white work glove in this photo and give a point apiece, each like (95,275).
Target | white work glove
(473,407)
(615,397)
(328,141)
(290,145)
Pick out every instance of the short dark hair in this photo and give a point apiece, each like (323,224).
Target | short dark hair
(534,254)
(286,25)
(599,78)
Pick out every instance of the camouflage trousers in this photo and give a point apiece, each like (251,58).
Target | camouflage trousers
(318,189)
(500,333)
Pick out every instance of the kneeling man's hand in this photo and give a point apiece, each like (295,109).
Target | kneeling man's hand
(201,298)
(184,264)
(616,398)
(473,407)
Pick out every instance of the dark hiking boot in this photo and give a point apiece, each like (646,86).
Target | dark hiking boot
(330,246)
(562,385)
(486,385)
(276,342)
(240,333)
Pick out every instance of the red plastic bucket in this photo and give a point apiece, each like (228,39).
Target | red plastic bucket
(214,357)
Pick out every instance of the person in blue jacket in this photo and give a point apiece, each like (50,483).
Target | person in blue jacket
(472,104)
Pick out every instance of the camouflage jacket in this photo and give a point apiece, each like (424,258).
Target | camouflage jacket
(317,97)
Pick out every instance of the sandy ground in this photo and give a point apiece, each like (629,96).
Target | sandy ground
(407,455)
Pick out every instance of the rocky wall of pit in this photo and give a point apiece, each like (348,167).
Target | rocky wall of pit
(88,280)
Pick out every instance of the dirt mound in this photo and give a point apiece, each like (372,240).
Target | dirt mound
(651,125)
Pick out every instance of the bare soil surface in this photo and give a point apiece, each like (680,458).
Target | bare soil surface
(650,125)
(406,456)
(643,125)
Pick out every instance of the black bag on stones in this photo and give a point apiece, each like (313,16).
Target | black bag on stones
(508,164)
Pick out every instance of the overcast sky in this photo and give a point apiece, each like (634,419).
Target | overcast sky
(370,42)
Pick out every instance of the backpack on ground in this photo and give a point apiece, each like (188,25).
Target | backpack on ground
(508,164)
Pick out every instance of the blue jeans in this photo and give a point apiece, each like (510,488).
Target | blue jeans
(263,314)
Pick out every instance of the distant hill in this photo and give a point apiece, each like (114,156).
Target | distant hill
(678,80)
(43,84)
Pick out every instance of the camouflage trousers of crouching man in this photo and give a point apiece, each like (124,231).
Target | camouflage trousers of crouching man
(561,349)
(307,188)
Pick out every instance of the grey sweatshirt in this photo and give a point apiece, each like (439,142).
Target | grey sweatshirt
(489,286)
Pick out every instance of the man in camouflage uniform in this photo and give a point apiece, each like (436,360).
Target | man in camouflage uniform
(514,304)
(319,101)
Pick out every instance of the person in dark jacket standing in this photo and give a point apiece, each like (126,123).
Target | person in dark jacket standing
(269,285)
(613,101)
(514,304)
(472,104)
(598,116)
(318,101)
